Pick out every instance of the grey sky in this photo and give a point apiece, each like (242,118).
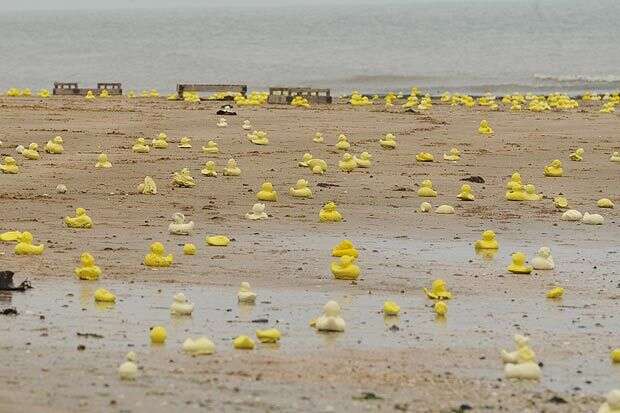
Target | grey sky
(115,4)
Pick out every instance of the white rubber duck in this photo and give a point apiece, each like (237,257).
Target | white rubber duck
(543,260)
(444,209)
(222,123)
(592,219)
(425,207)
(330,320)
(245,295)
(526,367)
(129,369)
(181,305)
(179,226)
(200,346)
(246,125)
(258,212)
(612,403)
(571,215)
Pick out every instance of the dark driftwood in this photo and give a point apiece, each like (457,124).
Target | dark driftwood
(72,89)
(6,282)
(284,95)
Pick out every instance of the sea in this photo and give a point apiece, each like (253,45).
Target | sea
(475,46)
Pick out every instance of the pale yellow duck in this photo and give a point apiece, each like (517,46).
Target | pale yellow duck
(211,148)
(364,160)
(9,166)
(184,179)
(301,189)
(232,169)
(54,146)
(32,152)
(343,143)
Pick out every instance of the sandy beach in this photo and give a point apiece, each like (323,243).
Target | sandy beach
(413,363)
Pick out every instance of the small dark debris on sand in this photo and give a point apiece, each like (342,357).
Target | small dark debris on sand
(476,179)
(9,311)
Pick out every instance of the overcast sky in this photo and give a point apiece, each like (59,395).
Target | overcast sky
(147,4)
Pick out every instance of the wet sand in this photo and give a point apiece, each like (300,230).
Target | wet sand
(425,365)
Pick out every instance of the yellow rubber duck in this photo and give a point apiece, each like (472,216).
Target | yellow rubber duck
(426,189)
(317,166)
(605,203)
(345,268)
(517,265)
(556,292)
(232,169)
(615,355)
(243,343)
(211,148)
(140,146)
(32,152)
(438,291)
(530,193)
(329,213)
(484,128)
(615,157)
(209,169)
(153,93)
(54,146)
(424,157)
(89,95)
(102,161)
(259,138)
(441,308)
(9,166)
(516,194)
(560,202)
(364,160)
(343,143)
(453,155)
(318,138)
(10,236)
(80,220)
(347,163)
(515,179)
(388,142)
(217,241)
(183,179)
(104,94)
(158,335)
(43,93)
(554,168)
(301,189)
(245,294)
(577,155)
(345,247)
(161,141)
(26,247)
(271,335)
(87,269)
(189,249)
(131,94)
(104,296)
(267,193)
(488,241)
(156,257)
(466,193)
(390,308)
(147,187)
(304,160)
(185,142)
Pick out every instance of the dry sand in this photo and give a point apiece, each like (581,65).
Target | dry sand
(423,366)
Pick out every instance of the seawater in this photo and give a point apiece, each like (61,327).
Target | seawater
(468,46)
